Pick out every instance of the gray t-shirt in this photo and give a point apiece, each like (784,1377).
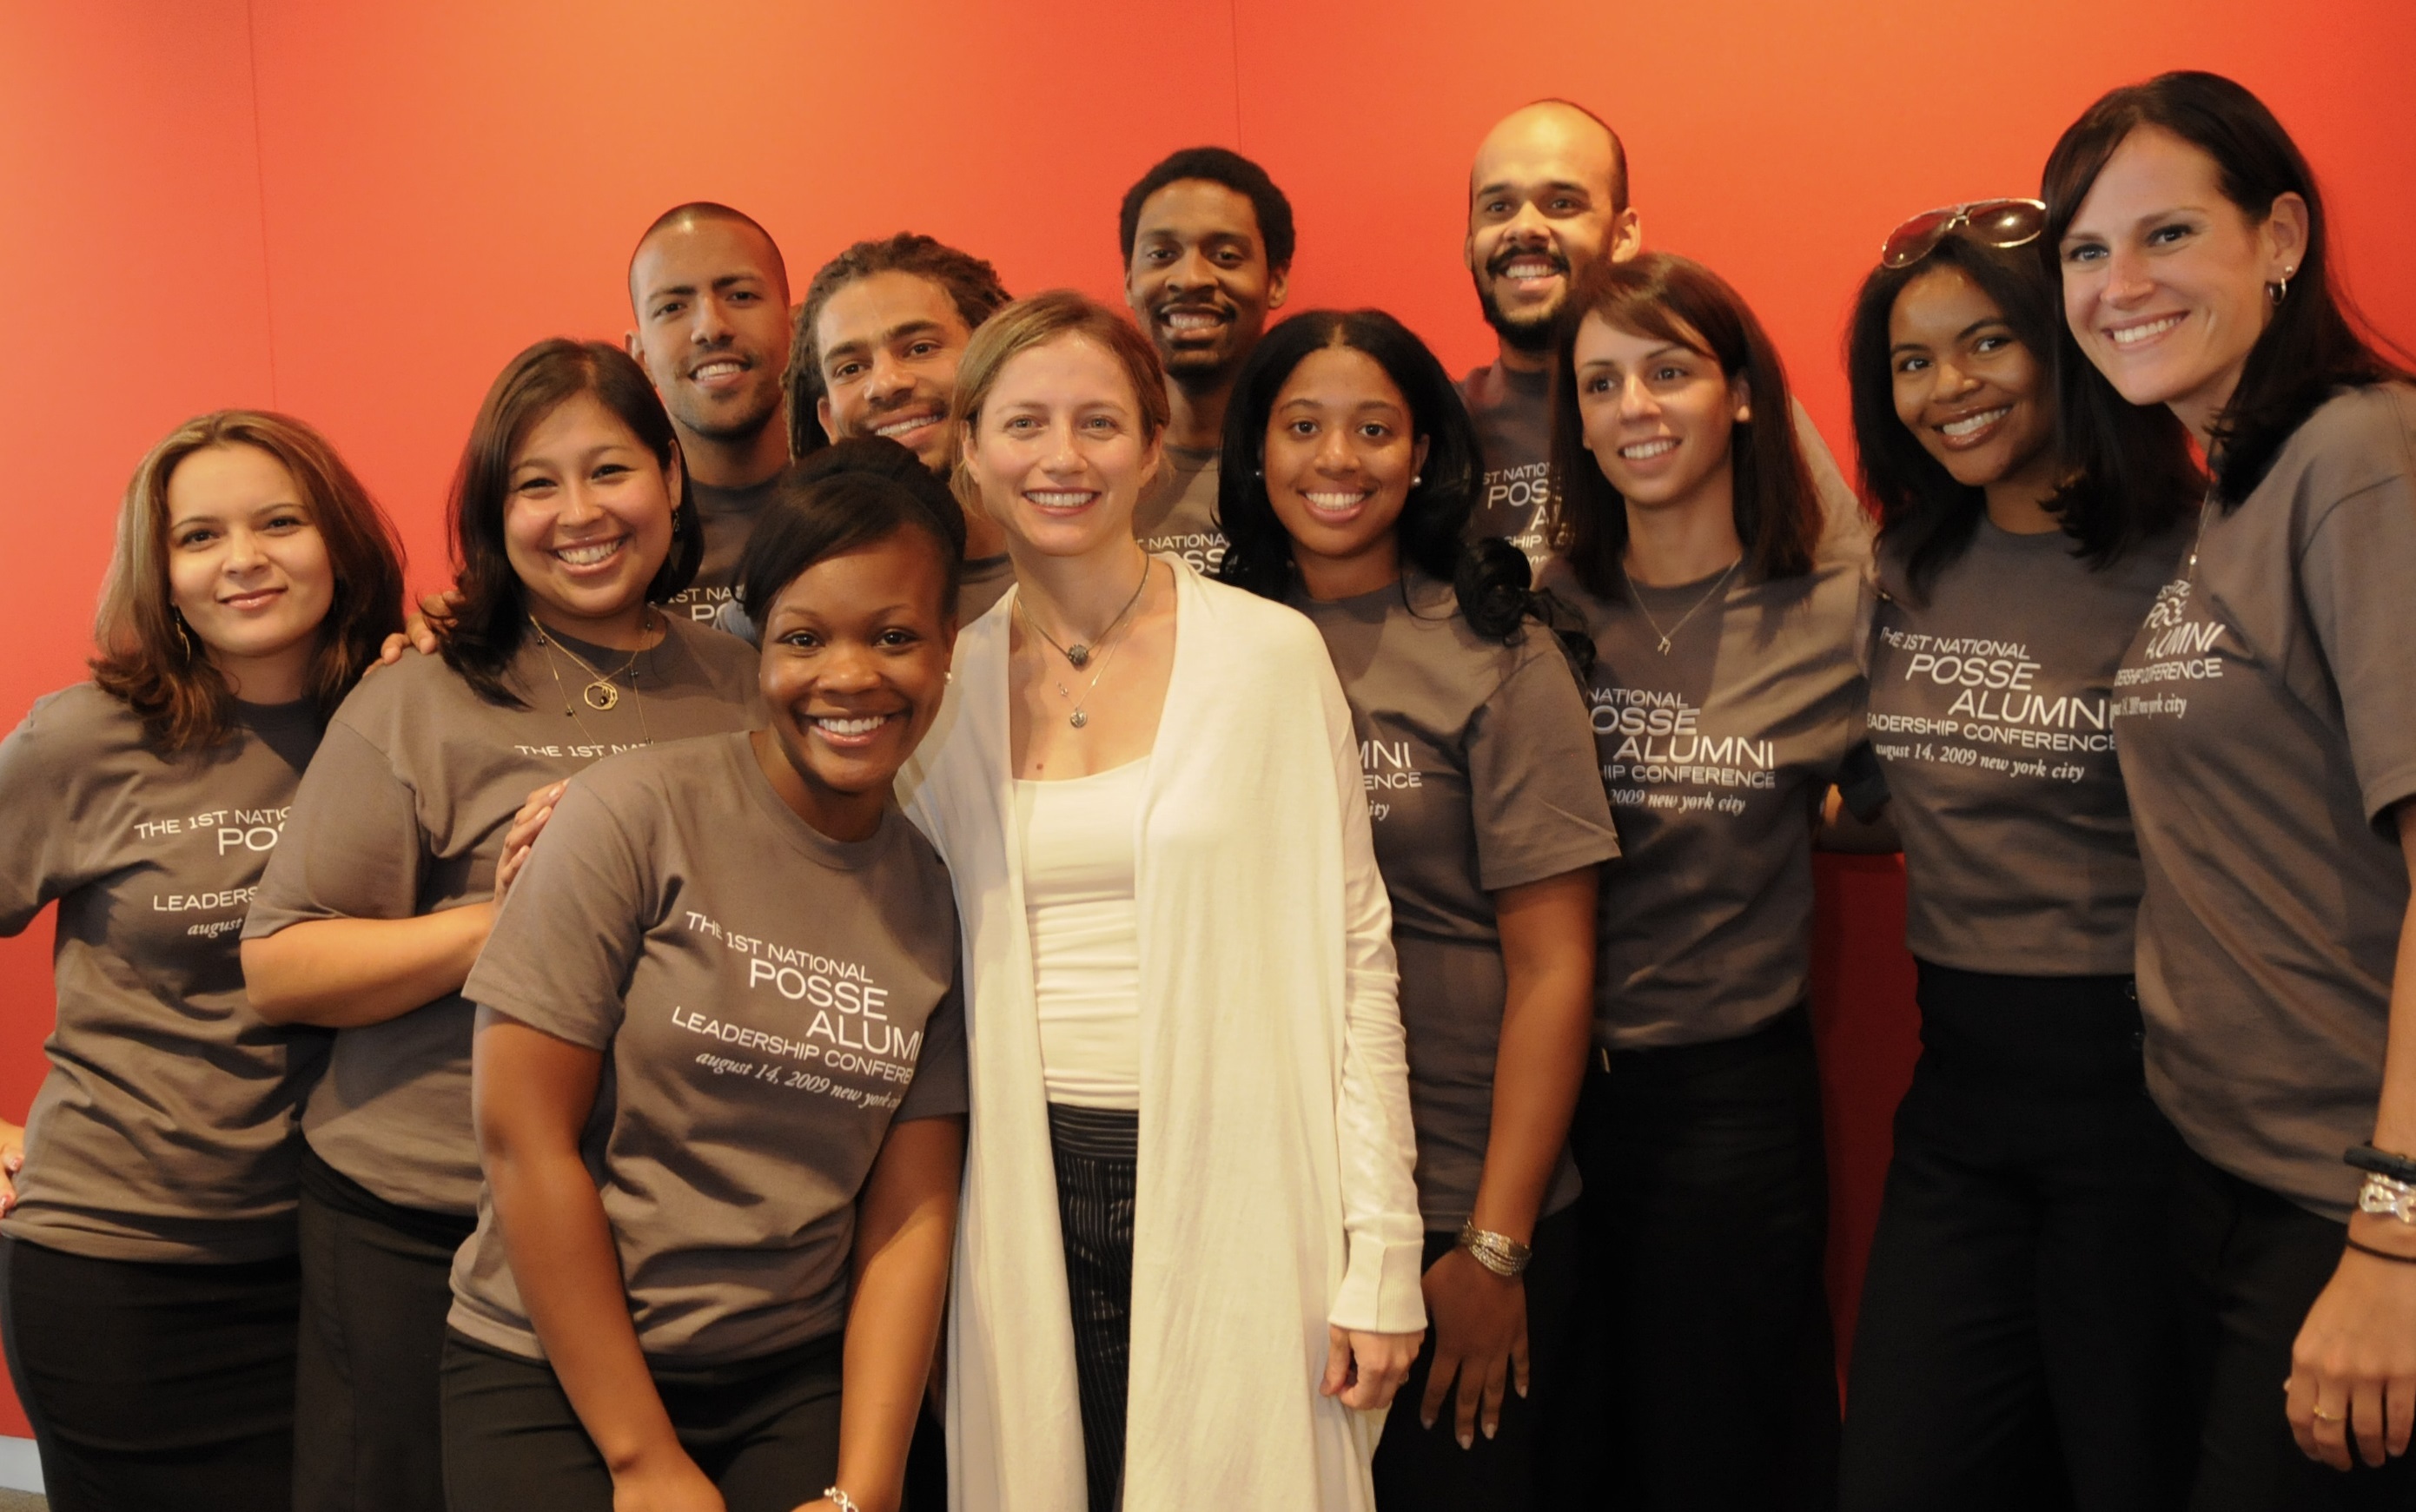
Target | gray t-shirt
(402,813)
(729,515)
(768,1000)
(1989,716)
(1513,413)
(166,1127)
(1479,770)
(1716,756)
(2266,716)
(1179,515)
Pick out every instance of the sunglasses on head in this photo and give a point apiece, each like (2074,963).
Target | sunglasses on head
(1989,222)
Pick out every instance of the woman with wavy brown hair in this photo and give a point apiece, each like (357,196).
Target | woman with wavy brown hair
(151,1295)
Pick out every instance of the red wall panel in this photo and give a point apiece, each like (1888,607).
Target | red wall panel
(358,212)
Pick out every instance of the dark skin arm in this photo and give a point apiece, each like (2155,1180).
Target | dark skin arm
(1480,1318)
(905,1227)
(532,1095)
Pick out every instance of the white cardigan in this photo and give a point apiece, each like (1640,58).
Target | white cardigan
(1274,1191)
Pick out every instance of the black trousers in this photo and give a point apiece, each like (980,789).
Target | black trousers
(1096,1152)
(1709,1378)
(376,1285)
(154,1384)
(1419,1468)
(765,1431)
(2253,1262)
(2017,1346)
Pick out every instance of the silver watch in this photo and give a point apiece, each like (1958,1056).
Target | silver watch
(2386,1197)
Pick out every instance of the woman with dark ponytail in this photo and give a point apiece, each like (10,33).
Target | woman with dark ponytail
(1349,475)
(2266,718)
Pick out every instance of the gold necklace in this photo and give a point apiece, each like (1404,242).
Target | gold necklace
(601,692)
(1638,599)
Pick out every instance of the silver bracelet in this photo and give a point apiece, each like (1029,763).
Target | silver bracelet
(1497,1253)
(840,1500)
(2388,1197)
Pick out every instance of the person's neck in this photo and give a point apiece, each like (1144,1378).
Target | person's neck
(2017,501)
(1076,598)
(983,537)
(736,461)
(846,818)
(1520,360)
(1329,578)
(630,628)
(278,677)
(1684,543)
(1196,416)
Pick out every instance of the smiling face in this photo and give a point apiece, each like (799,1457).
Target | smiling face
(1199,282)
(2164,278)
(855,659)
(713,325)
(1340,457)
(888,345)
(1539,208)
(1658,416)
(1966,387)
(246,566)
(588,519)
(1061,451)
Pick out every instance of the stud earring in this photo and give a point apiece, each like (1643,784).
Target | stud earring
(1416,478)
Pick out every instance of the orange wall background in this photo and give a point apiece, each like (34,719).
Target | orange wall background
(358,212)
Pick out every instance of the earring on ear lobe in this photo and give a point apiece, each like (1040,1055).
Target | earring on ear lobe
(1416,478)
(184,632)
(2280,290)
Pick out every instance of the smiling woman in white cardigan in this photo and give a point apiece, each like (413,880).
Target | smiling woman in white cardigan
(1187,1264)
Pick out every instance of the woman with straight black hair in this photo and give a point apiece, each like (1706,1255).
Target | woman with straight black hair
(711,1278)
(1348,480)
(571,524)
(1726,695)
(2014,1346)
(2267,718)
(148,1286)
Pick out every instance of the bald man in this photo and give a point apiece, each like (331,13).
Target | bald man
(709,293)
(1548,195)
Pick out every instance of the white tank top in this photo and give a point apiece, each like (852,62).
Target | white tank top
(1077,902)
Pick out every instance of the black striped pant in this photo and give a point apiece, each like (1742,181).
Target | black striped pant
(1097,1150)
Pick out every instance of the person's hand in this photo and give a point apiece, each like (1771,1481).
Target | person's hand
(2353,1368)
(12,1159)
(1480,1327)
(669,1484)
(1366,1369)
(427,628)
(526,826)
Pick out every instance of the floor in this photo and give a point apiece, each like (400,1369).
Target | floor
(22,1502)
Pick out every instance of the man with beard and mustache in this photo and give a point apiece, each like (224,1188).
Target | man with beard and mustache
(1207,243)
(710,295)
(1547,195)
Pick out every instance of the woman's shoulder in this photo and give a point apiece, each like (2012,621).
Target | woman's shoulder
(1248,622)
(78,725)
(2360,436)
(728,662)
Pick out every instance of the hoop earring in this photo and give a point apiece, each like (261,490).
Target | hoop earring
(2280,289)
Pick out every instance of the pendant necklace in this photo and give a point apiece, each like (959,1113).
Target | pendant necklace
(1638,599)
(1078,654)
(601,694)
